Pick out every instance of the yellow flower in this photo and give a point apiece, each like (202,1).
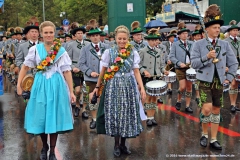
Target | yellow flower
(53,57)
(39,67)
(217,17)
(124,55)
(44,62)
(106,76)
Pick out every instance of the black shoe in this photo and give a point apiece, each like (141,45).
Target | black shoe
(76,111)
(93,124)
(197,100)
(85,114)
(233,108)
(52,156)
(145,112)
(154,122)
(160,100)
(178,106)
(188,110)
(237,109)
(203,141)
(73,105)
(43,155)
(149,122)
(125,150)
(216,145)
(169,91)
(117,151)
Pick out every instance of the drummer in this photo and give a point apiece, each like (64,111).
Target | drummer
(234,43)
(151,67)
(197,35)
(180,57)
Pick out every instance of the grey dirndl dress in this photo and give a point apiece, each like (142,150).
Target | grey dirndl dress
(121,106)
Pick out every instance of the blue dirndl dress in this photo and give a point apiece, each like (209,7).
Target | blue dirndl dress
(121,104)
(49,109)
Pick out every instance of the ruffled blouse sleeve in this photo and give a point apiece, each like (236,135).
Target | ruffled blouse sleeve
(65,62)
(31,58)
(105,58)
(136,59)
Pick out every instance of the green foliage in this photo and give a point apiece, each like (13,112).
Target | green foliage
(154,6)
(18,12)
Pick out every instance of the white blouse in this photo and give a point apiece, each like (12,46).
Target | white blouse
(61,65)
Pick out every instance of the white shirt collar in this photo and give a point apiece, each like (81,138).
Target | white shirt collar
(233,37)
(81,41)
(95,45)
(151,47)
(36,42)
(183,41)
(210,39)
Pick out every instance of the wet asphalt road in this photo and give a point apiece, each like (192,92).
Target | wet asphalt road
(176,136)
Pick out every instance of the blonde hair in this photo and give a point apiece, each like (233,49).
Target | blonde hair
(121,29)
(46,24)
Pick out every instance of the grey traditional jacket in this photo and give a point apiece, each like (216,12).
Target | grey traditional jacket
(138,46)
(206,68)
(89,61)
(151,60)
(163,49)
(167,44)
(178,53)
(235,47)
(74,49)
(22,52)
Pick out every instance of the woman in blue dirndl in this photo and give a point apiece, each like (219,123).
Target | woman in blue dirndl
(121,99)
(49,108)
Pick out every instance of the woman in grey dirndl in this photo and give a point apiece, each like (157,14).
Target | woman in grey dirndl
(121,98)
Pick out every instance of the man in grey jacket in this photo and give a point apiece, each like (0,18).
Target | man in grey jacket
(89,64)
(211,74)
(235,45)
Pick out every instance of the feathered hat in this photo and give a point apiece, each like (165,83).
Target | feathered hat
(11,30)
(198,30)
(93,27)
(172,33)
(111,35)
(75,27)
(212,16)
(233,24)
(153,34)
(182,28)
(135,28)
(31,24)
(103,33)
(18,30)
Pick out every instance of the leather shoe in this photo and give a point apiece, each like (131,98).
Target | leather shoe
(125,150)
(117,151)
(160,100)
(188,110)
(203,141)
(149,122)
(216,145)
(154,122)
(237,109)
(93,124)
(43,155)
(178,106)
(52,156)
(85,114)
(169,91)
(76,111)
(233,108)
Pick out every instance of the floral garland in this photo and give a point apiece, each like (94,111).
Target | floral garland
(118,62)
(48,61)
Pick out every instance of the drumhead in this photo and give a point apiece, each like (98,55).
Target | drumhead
(156,84)
(171,74)
(191,71)
(238,71)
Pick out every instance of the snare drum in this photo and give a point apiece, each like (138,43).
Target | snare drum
(191,74)
(237,78)
(156,88)
(226,87)
(170,78)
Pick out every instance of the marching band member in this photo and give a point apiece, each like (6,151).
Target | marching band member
(197,35)
(235,45)
(89,64)
(74,49)
(211,74)
(168,44)
(151,66)
(180,57)
(103,36)
(137,42)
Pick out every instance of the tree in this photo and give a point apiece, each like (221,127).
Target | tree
(154,6)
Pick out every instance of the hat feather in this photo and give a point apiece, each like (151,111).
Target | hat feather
(211,12)
(232,22)
(135,25)
(18,30)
